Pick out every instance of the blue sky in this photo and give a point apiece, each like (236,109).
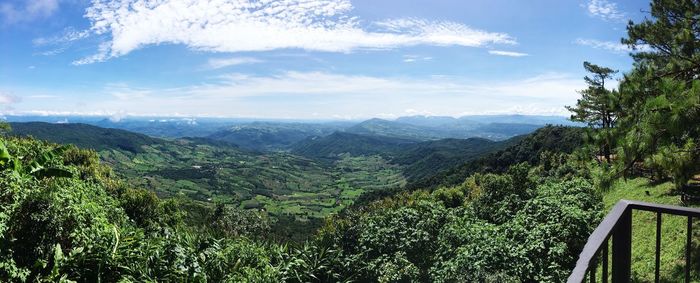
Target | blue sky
(308,59)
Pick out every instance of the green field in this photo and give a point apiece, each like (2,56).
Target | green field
(280,183)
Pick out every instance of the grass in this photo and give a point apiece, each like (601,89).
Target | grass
(673,231)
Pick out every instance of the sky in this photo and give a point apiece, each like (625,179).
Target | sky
(305,59)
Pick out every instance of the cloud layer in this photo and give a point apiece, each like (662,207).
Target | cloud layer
(324,95)
(247,25)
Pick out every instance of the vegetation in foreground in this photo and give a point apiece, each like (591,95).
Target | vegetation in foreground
(86,225)
(64,217)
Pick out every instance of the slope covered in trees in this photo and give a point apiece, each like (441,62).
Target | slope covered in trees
(535,148)
(431,157)
(85,136)
(297,192)
(90,226)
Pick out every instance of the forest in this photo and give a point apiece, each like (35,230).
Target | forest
(374,202)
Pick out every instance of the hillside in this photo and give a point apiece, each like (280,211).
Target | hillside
(502,131)
(432,128)
(288,186)
(427,121)
(85,136)
(527,148)
(417,160)
(394,129)
(90,226)
(431,157)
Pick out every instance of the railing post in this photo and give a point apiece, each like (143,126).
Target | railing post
(622,248)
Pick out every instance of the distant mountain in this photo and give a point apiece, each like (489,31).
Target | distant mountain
(423,128)
(165,127)
(86,136)
(267,136)
(261,134)
(502,131)
(427,121)
(474,120)
(519,119)
(339,143)
(381,127)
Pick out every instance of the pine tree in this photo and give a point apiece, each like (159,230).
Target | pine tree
(660,97)
(598,107)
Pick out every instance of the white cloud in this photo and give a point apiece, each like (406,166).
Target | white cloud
(5,99)
(610,46)
(415,58)
(507,53)
(413,112)
(122,91)
(218,63)
(8,100)
(68,35)
(246,25)
(12,13)
(60,43)
(605,10)
(315,95)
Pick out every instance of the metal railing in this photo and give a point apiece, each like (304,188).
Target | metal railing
(617,225)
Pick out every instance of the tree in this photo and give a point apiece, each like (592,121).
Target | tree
(661,95)
(598,107)
(668,43)
(4,128)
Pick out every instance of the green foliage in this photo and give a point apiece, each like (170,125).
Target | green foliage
(599,108)
(5,128)
(432,157)
(450,197)
(85,136)
(93,227)
(231,222)
(536,235)
(141,206)
(652,122)
(530,149)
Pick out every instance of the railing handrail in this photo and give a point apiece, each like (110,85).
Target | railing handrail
(607,227)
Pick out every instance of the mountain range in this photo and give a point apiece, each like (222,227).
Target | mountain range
(281,135)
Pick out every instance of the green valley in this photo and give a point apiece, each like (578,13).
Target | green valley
(213,172)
